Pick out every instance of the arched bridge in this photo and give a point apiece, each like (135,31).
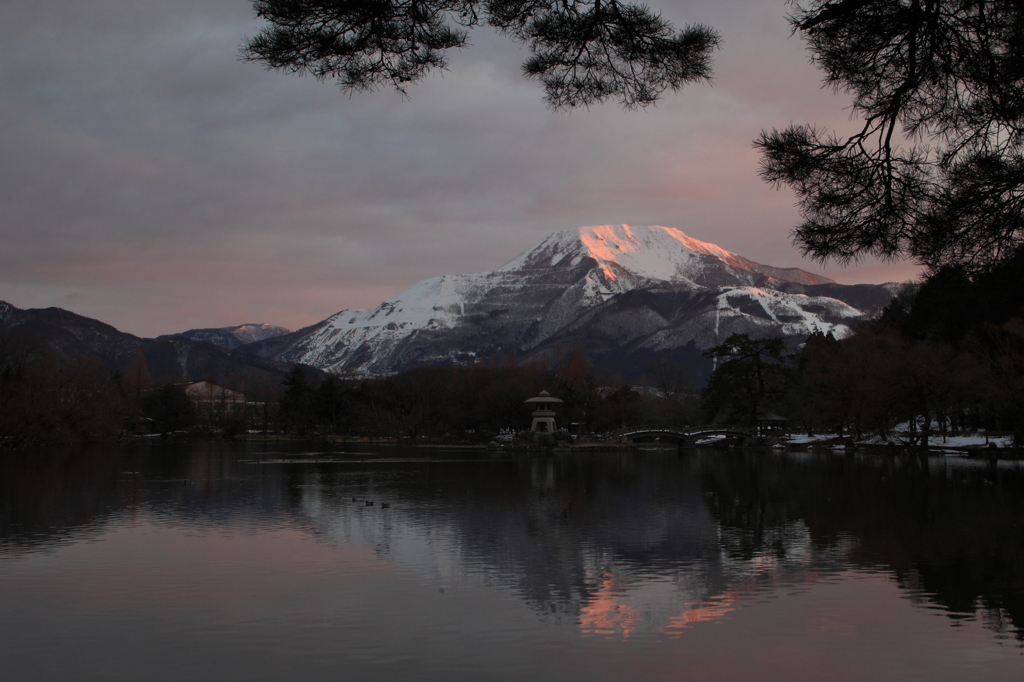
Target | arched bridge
(684,434)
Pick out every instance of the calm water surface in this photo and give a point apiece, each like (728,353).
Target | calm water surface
(228,562)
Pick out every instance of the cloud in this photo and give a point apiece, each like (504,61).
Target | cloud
(164,184)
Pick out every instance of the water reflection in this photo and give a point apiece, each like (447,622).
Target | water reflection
(949,530)
(563,533)
(615,546)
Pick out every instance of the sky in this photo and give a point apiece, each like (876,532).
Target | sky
(151,179)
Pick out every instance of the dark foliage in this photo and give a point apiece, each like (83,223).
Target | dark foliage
(476,403)
(936,173)
(944,357)
(868,383)
(947,354)
(329,402)
(48,397)
(954,307)
(169,408)
(297,401)
(583,52)
(749,379)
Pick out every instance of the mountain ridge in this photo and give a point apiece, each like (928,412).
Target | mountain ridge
(174,356)
(232,337)
(628,296)
(568,289)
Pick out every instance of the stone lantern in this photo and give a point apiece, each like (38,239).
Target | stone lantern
(544,415)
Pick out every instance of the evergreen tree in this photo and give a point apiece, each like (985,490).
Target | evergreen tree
(296,400)
(947,76)
(329,402)
(583,51)
(169,407)
(749,379)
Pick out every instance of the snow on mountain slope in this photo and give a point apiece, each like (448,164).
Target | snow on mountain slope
(247,333)
(233,337)
(6,310)
(653,253)
(570,287)
(750,310)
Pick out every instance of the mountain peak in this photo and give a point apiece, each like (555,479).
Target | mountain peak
(628,295)
(6,309)
(256,331)
(234,337)
(653,253)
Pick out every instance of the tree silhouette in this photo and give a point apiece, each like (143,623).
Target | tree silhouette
(296,400)
(583,51)
(749,377)
(948,77)
(170,407)
(329,402)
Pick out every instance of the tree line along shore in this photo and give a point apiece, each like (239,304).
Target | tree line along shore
(944,358)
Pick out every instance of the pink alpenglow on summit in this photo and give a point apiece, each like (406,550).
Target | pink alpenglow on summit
(620,291)
(655,253)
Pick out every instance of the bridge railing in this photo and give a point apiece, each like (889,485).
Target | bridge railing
(687,431)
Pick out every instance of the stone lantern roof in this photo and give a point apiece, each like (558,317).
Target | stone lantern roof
(544,397)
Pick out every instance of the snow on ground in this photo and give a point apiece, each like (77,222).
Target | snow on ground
(965,441)
(902,436)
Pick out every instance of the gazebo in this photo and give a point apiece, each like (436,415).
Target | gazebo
(771,424)
(544,415)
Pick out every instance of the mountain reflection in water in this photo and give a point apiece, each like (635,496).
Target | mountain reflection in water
(791,560)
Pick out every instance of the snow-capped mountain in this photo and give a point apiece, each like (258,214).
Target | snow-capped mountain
(626,295)
(233,337)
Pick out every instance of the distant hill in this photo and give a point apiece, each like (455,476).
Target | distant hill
(232,337)
(176,357)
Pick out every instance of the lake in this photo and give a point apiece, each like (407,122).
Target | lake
(220,561)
